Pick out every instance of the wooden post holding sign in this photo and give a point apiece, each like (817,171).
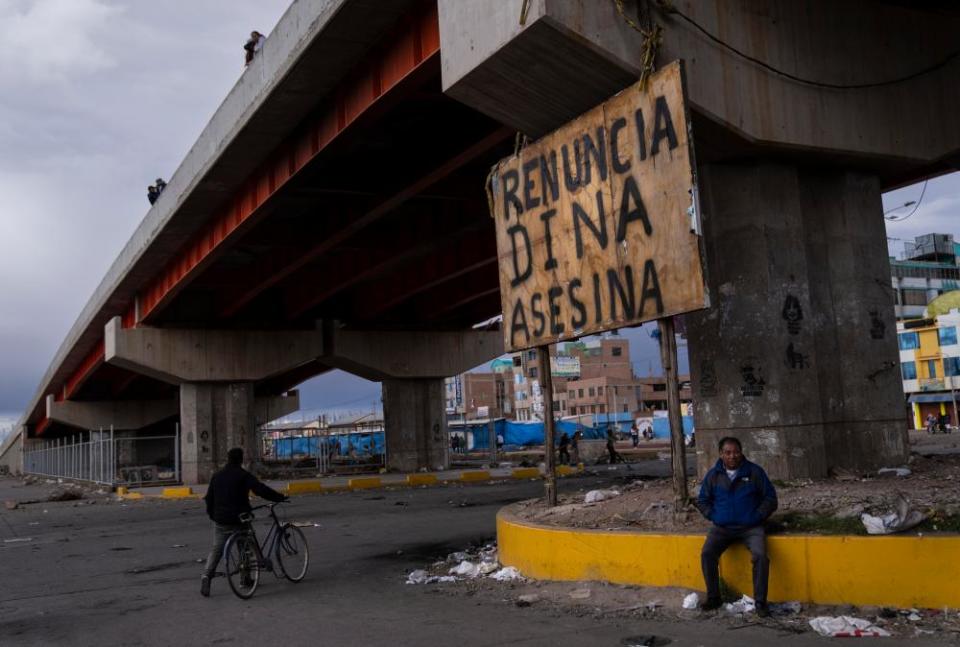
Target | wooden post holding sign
(546,392)
(597,223)
(678,453)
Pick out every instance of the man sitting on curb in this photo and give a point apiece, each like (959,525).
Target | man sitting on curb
(737,497)
(228,496)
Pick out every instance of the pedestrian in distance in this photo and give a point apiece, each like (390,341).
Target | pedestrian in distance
(160,184)
(575,446)
(614,455)
(253,45)
(931,423)
(738,498)
(634,434)
(228,496)
(152,193)
(564,449)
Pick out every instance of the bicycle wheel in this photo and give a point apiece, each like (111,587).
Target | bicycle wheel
(243,569)
(293,553)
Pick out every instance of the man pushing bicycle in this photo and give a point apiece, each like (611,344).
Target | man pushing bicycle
(228,496)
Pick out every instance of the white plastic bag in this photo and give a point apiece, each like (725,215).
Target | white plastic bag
(691,601)
(596,496)
(846,627)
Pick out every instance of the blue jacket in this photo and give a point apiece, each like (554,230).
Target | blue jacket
(745,502)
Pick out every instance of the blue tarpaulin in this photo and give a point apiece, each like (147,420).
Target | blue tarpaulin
(339,444)
(520,434)
(661,427)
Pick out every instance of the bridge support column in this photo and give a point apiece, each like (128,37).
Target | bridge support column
(213,418)
(414,418)
(798,356)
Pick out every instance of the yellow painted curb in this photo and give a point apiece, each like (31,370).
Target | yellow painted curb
(885,571)
(304,487)
(131,496)
(421,479)
(525,473)
(475,475)
(177,492)
(121,490)
(565,470)
(364,483)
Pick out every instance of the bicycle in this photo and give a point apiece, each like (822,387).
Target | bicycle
(245,556)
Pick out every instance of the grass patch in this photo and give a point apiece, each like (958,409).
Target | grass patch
(821,524)
(818,524)
(940,522)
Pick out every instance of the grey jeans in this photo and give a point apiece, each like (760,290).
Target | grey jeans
(221,532)
(718,540)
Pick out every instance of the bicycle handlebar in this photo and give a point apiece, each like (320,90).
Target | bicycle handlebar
(271,505)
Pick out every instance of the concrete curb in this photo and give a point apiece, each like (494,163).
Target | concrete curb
(318,486)
(905,572)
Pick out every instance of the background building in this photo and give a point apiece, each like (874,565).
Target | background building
(930,366)
(929,268)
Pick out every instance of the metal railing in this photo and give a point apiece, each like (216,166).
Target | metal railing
(93,460)
(104,458)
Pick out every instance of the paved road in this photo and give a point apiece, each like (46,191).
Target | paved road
(111,573)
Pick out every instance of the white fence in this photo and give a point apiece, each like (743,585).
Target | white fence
(104,458)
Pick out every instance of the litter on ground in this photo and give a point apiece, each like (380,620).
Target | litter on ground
(691,601)
(846,627)
(743,605)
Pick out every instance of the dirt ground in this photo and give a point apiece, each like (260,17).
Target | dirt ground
(831,505)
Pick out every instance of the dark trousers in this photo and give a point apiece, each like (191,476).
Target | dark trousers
(718,540)
(564,456)
(221,532)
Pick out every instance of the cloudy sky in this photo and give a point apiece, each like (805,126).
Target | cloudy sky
(102,96)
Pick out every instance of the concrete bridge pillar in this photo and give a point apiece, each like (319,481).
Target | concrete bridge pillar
(798,355)
(411,366)
(416,425)
(213,418)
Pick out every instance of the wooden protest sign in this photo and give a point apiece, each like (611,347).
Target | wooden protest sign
(596,222)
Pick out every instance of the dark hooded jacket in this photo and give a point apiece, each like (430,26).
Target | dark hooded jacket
(228,494)
(746,501)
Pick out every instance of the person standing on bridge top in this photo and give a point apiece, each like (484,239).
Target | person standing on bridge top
(738,498)
(253,45)
(152,193)
(228,496)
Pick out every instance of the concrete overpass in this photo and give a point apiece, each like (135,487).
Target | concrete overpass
(332,215)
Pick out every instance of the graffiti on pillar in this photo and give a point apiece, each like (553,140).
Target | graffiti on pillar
(204,449)
(708,378)
(878,329)
(753,382)
(792,314)
(204,435)
(796,359)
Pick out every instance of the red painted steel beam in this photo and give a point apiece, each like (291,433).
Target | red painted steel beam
(356,224)
(458,259)
(479,284)
(400,248)
(412,47)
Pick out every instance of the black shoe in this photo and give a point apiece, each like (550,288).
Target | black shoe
(711,604)
(763,610)
(205,586)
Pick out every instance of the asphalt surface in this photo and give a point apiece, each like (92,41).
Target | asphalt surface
(112,573)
